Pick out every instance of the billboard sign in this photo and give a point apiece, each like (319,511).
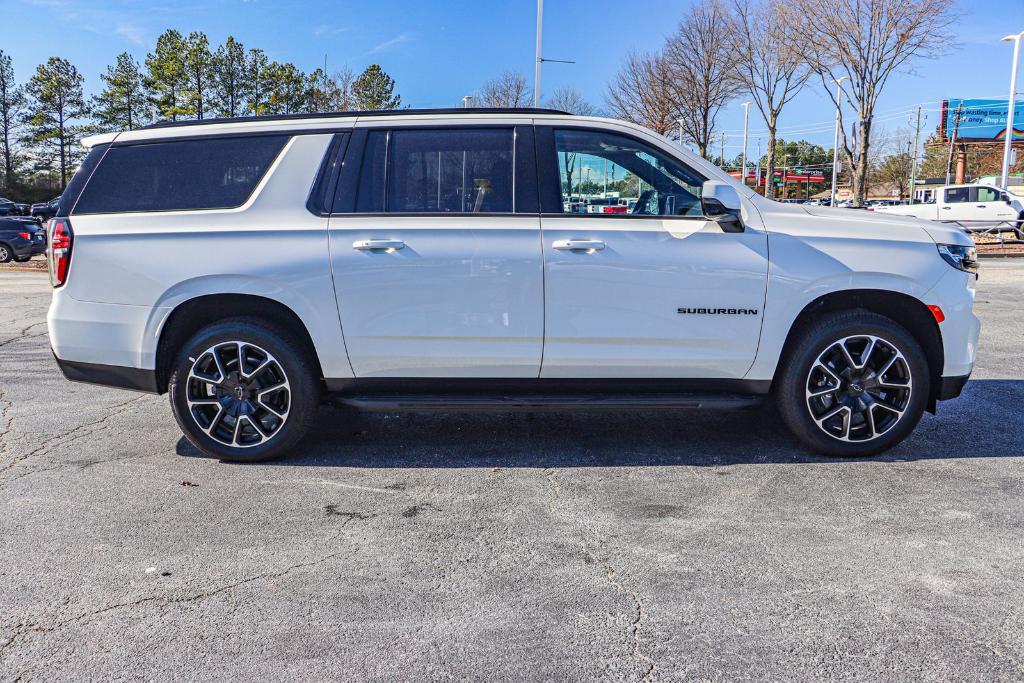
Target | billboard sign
(981,120)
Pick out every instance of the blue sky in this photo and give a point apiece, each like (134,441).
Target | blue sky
(440,51)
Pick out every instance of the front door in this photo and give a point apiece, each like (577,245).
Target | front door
(651,289)
(436,258)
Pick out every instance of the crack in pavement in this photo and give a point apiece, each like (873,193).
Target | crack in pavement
(24,334)
(79,432)
(161,601)
(639,614)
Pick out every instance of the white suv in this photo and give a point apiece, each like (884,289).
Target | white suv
(426,259)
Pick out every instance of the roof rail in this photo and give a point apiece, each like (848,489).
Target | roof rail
(338,114)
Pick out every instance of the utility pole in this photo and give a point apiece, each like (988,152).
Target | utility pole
(913,156)
(835,145)
(1008,144)
(540,60)
(721,148)
(743,164)
(952,141)
(785,172)
(680,122)
(757,167)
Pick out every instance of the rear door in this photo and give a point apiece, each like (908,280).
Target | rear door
(436,253)
(657,292)
(956,204)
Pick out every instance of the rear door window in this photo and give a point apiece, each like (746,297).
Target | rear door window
(451,170)
(958,195)
(179,175)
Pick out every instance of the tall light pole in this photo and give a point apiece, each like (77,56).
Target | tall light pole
(913,158)
(1009,112)
(680,122)
(835,145)
(540,60)
(743,165)
(466,99)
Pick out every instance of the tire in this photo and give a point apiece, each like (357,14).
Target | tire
(22,259)
(239,417)
(6,253)
(894,384)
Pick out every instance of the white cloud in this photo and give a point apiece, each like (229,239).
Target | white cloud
(393,42)
(131,32)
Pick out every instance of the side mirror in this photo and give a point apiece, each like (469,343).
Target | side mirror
(721,203)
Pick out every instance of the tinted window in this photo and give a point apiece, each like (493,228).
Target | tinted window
(437,171)
(181,175)
(957,194)
(612,174)
(370,195)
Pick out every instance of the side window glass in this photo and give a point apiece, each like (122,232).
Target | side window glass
(370,191)
(606,173)
(987,194)
(956,195)
(450,171)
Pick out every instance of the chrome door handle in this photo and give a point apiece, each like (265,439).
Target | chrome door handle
(945,208)
(578,245)
(373,245)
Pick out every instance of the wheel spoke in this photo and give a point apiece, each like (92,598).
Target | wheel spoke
(828,371)
(846,354)
(255,424)
(260,368)
(824,391)
(869,419)
(866,356)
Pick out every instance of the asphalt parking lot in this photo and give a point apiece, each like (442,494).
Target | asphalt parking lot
(666,546)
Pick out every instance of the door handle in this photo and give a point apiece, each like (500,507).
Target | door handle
(578,245)
(374,245)
(945,208)
(979,206)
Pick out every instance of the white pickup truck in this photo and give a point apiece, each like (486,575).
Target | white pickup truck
(978,205)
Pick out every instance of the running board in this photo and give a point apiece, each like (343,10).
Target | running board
(550,402)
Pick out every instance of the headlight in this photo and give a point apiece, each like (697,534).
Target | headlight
(960,257)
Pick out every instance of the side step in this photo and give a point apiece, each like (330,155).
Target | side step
(550,402)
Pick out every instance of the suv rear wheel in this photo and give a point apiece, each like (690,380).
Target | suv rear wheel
(6,254)
(855,384)
(244,390)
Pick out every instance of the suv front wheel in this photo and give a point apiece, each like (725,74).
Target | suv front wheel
(243,390)
(855,384)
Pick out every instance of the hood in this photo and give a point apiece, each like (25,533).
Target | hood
(940,233)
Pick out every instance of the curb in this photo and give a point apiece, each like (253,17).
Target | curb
(1017,254)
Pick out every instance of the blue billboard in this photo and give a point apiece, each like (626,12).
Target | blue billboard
(981,119)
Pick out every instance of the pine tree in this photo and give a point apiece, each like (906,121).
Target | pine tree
(166,75)
(229,66)
(123,103)
(255,82)
(57,102)
(287,89)
(12,104)
(198,62)
(374,89)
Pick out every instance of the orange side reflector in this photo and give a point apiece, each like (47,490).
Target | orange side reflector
(937,312)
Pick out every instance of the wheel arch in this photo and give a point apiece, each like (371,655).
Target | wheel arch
(904,309)
(193,314)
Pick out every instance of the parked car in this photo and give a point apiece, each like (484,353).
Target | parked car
(968,205)
(7,207)
(46,210)
(20,239)
(413,260)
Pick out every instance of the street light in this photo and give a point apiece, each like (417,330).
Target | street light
(743,167)
(540,60)
(1008,144)
(835,145)
(466,99)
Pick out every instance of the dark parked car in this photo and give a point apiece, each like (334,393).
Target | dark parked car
(12,208)
(20,239)
(44,211)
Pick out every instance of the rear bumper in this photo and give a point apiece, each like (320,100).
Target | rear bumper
(135,379)
(951,387)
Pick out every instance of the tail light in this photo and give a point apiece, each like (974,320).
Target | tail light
(58,250)
(25,235)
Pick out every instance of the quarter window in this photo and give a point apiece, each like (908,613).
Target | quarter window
(606,173)
(437,171)
(212,173)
